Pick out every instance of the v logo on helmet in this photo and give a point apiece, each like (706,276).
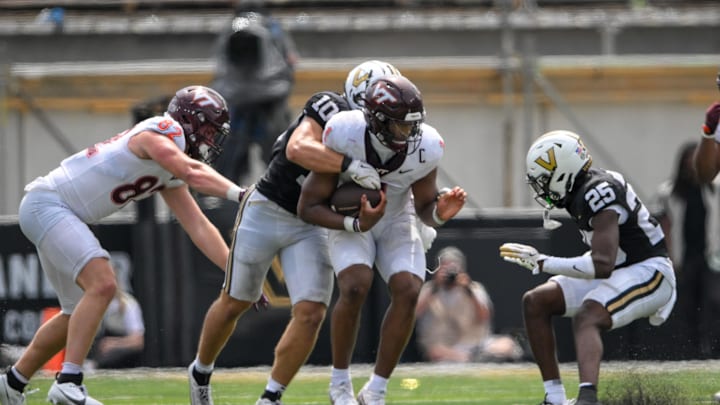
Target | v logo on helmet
(551,163)
(359,78)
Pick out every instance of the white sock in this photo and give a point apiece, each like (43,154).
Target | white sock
(339,375)
(70,368)
(377,383)
(274,386)
(554,391)
(203,368)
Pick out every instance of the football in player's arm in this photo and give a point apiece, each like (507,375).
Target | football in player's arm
(626,274)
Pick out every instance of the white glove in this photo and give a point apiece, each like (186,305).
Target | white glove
(363,174)
(522,255)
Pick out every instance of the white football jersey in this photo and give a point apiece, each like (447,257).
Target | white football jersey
(345,133)
(105,177)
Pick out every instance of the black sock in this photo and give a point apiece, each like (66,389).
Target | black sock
(14,383)
(273,396)
(76,379)
(201,378)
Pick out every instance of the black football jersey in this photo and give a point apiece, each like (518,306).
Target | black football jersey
(640,235)
(282,181)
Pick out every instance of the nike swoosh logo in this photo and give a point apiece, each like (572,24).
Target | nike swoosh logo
(576,269)
(405,171)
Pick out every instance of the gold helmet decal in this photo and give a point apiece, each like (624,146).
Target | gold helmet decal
(360,76)
(550,164)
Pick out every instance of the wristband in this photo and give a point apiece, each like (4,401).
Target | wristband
(352,224)
(436,218)
(347,160)
(234,193)
(706,135)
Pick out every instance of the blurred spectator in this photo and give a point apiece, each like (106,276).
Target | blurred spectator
(689,213)
(255,73)
(121,338)
(454,317)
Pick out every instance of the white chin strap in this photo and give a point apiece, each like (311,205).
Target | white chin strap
(549,223)
(203,149)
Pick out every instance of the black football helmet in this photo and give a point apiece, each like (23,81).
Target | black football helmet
(394,112)
(203,114)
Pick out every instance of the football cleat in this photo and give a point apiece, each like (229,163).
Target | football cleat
(369,397)
(8,395)
(70,394)
(567,402)
(342,394)
(199,394)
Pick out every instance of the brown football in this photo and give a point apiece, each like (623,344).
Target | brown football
(346,199)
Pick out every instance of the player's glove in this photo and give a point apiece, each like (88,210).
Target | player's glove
(712,115)
(262,303)
(522,255)
(364,174)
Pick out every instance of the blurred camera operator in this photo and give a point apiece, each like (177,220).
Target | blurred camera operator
(454,317)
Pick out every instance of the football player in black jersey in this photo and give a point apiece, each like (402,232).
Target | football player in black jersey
(267,225)
(626,274)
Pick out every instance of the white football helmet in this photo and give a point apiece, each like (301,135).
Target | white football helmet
(360,77)
(554,162)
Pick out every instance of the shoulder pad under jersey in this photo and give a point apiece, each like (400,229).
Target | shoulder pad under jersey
(323,105)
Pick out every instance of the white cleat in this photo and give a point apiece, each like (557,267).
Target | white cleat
(8,395)
(70,394)
(369,397)
(199,394)
(342,394)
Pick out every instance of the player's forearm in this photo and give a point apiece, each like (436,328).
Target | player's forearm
(316,157)
(207,238)
(706,157)
(207,181)
(318,214)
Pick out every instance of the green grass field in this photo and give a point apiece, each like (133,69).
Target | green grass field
(626,383)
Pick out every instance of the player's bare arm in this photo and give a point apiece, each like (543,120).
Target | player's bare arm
(605,242)
(305,148)
(707,155)
(707,160)
(314,208)
(197,175)
(201,231)
(435,209)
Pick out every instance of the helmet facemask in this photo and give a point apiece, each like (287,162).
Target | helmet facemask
(206,143)
(399,135)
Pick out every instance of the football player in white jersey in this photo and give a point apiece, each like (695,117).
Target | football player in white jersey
(267,225)
(390,134)
(626,274)
(166,154)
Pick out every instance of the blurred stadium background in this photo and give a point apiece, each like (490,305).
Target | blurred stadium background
(633,77)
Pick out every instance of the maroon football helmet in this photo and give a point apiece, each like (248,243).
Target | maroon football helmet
(203,114)
(394,112)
